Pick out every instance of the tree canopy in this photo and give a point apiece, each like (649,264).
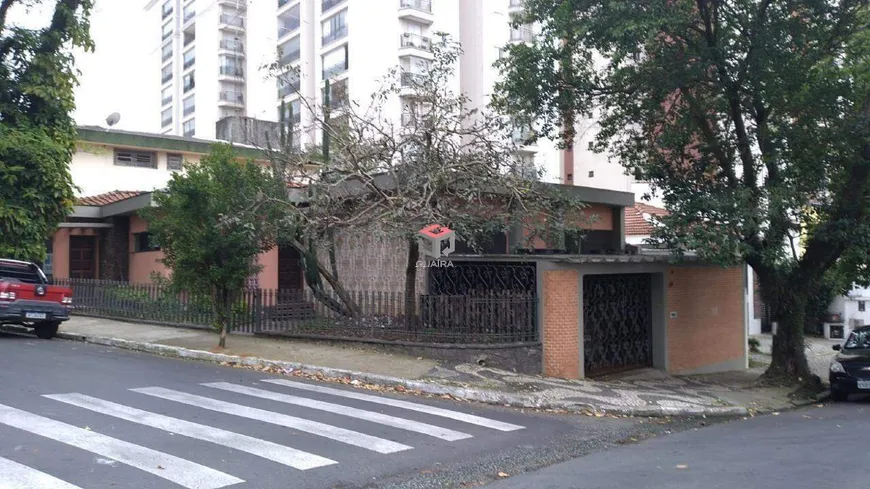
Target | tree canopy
(747,116)
(211,223)
(37,133)
(417,153)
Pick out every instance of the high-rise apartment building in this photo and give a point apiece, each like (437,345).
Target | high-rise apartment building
(213,54)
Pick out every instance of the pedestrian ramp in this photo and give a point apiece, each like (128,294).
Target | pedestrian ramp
(357,422)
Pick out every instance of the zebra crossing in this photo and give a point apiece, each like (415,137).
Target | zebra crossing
(180,472)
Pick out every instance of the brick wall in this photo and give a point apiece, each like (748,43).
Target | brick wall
(560,304)
(709,327)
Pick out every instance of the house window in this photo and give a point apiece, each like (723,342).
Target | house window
(139,159)
(143,242)
(861,306)
(335,62)
(334,28)
(189,128)
(174,162)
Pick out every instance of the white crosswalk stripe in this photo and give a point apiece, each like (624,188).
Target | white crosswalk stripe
(384,419)
(349,437)
(16,476)
(386,401)
(266,449)
(182,472)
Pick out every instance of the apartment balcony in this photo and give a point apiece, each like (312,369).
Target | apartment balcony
(189,15)
(522,34)
(189,63)
(408,119)
(166,79)
(415,44)
(327,5)
(412,80)
(229,98)
(167,13)
(289,57)
(516,4)
(189,110)
(417,11)
(334,70)
(188,86)
(166,101)
(334,36)
(287,27)
(166,122)
(236,4)
(167,56)
(523,137)
(282,3)
(166,35)
(287,89)
(231,72)
(236,47)
(232,22)
(189,38)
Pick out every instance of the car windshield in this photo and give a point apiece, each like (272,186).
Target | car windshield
(21,273)
(858,340)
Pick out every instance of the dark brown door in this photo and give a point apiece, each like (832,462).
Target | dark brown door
(83,257)
(289,269)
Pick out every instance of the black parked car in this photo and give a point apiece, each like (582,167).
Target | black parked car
(850,369)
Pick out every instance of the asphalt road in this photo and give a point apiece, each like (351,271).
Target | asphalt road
(805,449)
(74,415)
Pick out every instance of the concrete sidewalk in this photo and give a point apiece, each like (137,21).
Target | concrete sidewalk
(647,392)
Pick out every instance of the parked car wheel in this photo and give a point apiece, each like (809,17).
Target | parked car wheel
(839,396)
(46,331)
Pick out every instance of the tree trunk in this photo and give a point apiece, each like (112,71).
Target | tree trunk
(314,270)
(411,283)
(219,306)
(788,301)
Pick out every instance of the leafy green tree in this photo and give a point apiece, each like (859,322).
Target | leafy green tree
(747,116)
(37,133)
(212,222)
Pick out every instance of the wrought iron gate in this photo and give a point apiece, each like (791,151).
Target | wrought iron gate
(617,322)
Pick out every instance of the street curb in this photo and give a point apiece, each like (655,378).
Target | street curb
(468,394)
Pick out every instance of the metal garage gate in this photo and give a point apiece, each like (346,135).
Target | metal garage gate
(617,322)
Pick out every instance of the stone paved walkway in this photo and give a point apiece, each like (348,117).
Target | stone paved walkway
(645,391)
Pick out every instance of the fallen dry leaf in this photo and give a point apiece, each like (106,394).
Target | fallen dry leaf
(503,474)
(681,466)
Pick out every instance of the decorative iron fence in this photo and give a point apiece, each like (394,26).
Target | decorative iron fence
(482,318)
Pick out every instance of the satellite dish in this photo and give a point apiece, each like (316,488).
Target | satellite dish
(113,119)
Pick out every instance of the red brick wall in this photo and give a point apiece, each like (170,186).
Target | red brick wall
(560,303)
(709,327)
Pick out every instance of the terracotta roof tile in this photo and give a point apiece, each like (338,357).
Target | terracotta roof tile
(636,224)
(108,198)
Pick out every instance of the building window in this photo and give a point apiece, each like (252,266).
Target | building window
(189,58)
(174,162)
(296,108)
(167,51)
(167,8)
(167,31)
(335,62)
(189,128)
(338,94)
(166,74)
(290,51)
(861,306)
(189,105)
(166,95)
(139,159)
(334,28)
(166,117)
(289,21)
(329,4)
(231,66)
(189,12)
(189,82)
(143,242)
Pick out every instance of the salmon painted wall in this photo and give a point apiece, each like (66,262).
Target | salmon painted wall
(60,250)
(143,264)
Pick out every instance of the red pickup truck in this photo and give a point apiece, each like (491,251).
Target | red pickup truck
(27,299)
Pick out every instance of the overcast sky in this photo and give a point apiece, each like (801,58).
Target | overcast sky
(115,77)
